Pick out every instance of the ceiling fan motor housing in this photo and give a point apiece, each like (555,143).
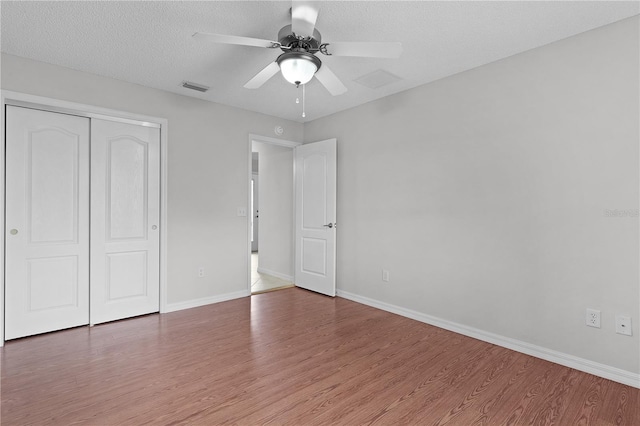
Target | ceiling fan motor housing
(289,40)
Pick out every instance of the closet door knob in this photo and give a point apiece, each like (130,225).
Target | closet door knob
(13,231)
(154,227)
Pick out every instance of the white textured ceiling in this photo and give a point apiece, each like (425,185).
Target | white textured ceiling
(150,43)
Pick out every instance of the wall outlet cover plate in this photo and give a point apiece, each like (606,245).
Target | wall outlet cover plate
(623,325)
(593,318)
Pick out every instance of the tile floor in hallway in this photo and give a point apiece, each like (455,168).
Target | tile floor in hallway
(263,282)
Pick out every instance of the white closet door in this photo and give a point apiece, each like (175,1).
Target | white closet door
(47,222)
(125,218)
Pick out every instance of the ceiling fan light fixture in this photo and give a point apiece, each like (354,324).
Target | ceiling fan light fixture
(298,67)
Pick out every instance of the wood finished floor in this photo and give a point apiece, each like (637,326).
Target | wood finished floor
(292,357)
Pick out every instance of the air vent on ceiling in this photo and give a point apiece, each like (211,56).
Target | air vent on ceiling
(377,79)
(194,86)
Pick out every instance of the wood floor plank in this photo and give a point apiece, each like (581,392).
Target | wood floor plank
(586,400)
(292,357)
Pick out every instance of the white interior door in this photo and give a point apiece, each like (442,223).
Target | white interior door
(125,219)
(315,176)
(255,207)
(47,222)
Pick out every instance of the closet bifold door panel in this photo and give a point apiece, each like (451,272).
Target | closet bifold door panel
(46,222)
(125,219)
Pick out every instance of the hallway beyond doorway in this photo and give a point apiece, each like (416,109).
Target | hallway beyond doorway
(261,283)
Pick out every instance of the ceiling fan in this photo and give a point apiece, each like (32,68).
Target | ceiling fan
(300,42)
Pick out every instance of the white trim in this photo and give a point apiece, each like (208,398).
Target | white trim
(275,274)
(249,248)
(57,105)
(2,225)
(602,370)
(194,303)
(164,210)
(273,141)
(252,202)
(8,97)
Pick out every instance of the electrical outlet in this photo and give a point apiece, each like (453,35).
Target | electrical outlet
(242,211)
(200,272)
(593,318)
(623,325)
(385,275)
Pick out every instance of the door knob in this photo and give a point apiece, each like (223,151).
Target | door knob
(13,231)
(154,227)
(329,225)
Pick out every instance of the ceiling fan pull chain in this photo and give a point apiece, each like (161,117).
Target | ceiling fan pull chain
(303,100)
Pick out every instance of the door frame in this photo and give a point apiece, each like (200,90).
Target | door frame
(273,141)
(255,197)
(8,97)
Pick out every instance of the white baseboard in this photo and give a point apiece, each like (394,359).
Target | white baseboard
(171,307)
(275,274)
(602,370)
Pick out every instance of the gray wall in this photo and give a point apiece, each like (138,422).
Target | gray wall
(208,169)
(275,239)
(484,195)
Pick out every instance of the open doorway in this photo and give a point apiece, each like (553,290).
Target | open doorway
(272,214)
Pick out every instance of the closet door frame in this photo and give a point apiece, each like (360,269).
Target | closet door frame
(54,105)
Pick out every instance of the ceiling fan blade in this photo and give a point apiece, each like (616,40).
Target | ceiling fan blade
(303,17)
(263,76)
(366,49)
(330,81)
(242,41)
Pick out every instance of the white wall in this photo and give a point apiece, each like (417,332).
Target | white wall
(208,169)
(484,195)
(275,240)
